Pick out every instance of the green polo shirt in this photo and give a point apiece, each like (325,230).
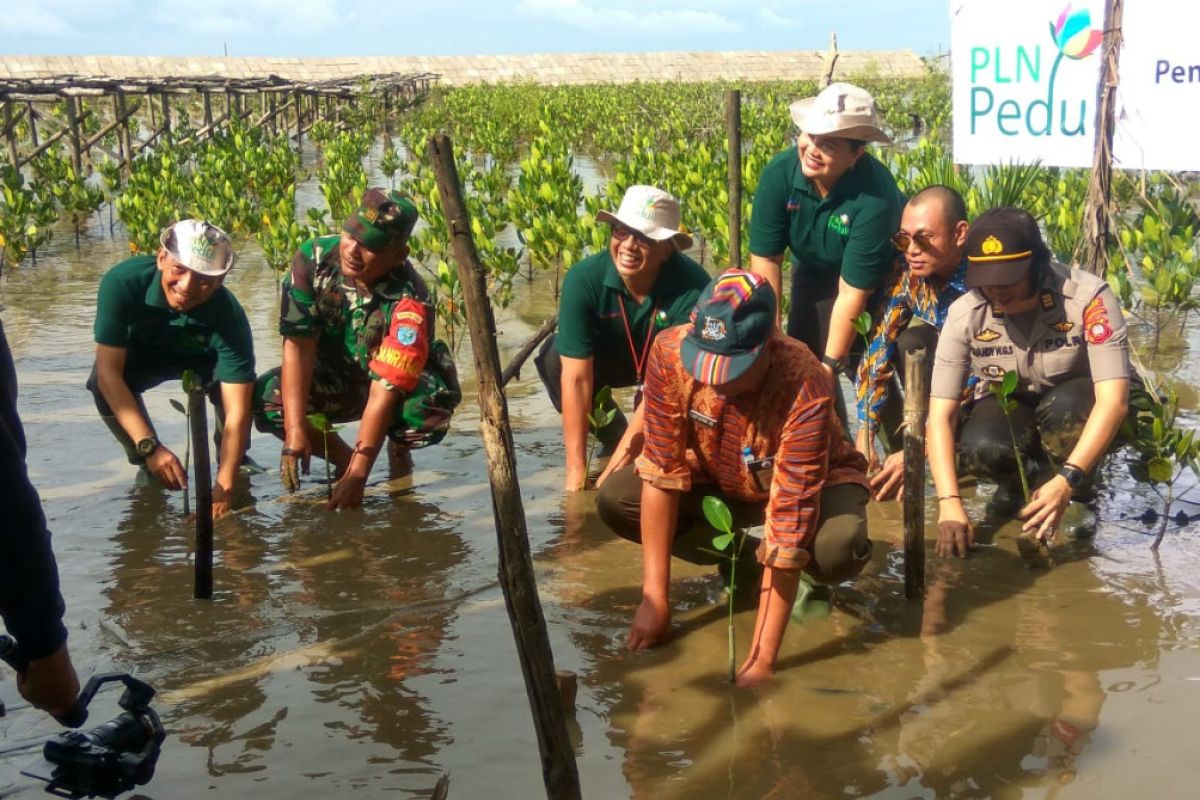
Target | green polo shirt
(132,312)
(846,232)
(590,320)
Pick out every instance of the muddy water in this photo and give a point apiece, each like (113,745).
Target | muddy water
(364,653)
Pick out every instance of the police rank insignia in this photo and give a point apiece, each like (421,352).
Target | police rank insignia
(1095,322)
(714,329)
(1064,326)
(987,335)
(1047,301)
(993,371)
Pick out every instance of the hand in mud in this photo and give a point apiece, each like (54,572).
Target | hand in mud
(293,460)
(753,673)
(1046,508)
(889,481)
(651,625)
(347,492)
(166,466)
(956,534)
(222,499)
(576,480)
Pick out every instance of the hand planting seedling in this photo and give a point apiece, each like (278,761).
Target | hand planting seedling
(602,413)
(321,423)
(1002,390)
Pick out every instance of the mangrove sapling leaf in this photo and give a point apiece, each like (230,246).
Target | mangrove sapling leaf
(321,423)
(718,515)
(1003,390)
(604,410)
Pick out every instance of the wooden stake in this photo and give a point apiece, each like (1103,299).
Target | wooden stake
(207,110)
(1097,216)
(513,369)
(559,771)
(202,586)
(296,100)
(73,128)
(33,133)
(125,147)
(10,134)
(916,410)
(166,115)
(832,57)
(733,131)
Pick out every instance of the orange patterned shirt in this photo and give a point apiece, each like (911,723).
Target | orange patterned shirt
(696,435)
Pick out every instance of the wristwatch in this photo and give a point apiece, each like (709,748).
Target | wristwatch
(147,446)
(838,365)
(1074,475)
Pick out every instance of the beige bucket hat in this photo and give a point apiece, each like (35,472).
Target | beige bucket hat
(841,109)
(652,212)
(200,246)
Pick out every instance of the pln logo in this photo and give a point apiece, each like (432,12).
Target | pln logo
(1013,93)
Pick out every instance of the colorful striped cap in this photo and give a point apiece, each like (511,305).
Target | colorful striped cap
(381,218)
(731,322)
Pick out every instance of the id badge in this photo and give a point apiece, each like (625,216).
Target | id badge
(763,471)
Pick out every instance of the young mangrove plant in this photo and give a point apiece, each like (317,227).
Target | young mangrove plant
(604,410)
(728,545)
(321,423)
(1003,390)
(1165,451)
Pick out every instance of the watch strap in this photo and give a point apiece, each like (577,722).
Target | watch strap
(838,365)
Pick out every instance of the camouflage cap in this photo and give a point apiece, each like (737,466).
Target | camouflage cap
(381,218)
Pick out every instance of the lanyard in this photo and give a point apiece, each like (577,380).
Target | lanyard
(639,364)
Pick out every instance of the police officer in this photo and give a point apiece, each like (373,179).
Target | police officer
(1061,330)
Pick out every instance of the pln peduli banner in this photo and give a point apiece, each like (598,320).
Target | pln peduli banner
(1025,74)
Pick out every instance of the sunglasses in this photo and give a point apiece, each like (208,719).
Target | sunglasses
(623,232)
(922,239)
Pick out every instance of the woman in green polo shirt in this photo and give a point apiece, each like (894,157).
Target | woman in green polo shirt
(834,206)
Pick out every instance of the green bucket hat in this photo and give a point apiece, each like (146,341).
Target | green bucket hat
(383,217)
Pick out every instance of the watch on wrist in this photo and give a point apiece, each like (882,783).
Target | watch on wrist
(146,446)
(838,365)
(1073,474)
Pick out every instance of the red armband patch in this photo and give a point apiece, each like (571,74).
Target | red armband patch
(1095,322)
(402,353)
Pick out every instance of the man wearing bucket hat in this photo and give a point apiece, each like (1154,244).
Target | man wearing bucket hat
(358,344)
(835,207)
(613,305)
(1061,330)
(736,410)
(159,315)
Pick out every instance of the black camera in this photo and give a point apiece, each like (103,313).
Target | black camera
(111,758)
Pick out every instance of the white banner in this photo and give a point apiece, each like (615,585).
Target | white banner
(1025,74)
(1158,108)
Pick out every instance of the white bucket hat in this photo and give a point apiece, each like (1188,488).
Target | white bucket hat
(651,212)
(841,109)
(200,246)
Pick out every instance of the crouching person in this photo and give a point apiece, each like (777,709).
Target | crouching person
(358,344)
(736,410)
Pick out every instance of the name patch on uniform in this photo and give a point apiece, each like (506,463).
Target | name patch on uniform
(703,419)
(987,335)
(995,350)
(408,316)
(1095,322)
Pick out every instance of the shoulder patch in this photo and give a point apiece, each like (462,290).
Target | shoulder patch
(1095,322)
(987,335)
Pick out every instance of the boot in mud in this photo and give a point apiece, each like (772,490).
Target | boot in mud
(814,601)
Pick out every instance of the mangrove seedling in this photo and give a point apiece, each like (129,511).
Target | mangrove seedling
(1003,389)
(190,383)
(321,423)
(718,515)
(604,410)
(1164,449)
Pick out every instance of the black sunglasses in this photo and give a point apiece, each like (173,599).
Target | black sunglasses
(923,240)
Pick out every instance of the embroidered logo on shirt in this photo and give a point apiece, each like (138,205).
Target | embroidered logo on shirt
(987,335)
(840,224)
(1095,322)
(792,204)
(992,246)
(994,371)
(661,320)
(714,329)
(406,334)
(1064,326)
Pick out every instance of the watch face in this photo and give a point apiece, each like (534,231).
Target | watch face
(147,446)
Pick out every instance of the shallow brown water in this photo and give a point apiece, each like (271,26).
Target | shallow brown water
(364,653)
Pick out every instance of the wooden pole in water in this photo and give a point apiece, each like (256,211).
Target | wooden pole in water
(33,134)
(123,138)
(733,129)
(559,771)
(1096,215)
(202,586)
(73,126)
(916,410)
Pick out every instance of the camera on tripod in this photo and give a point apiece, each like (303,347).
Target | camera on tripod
(108,759)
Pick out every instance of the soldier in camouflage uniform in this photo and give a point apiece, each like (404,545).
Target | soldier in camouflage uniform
(358,345)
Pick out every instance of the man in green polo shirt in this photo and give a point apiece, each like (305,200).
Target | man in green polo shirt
(613,304)
(835,207)
(159,315)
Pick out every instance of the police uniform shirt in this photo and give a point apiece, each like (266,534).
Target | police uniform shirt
(1078,331)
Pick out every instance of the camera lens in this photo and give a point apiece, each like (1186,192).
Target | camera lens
(125,733)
